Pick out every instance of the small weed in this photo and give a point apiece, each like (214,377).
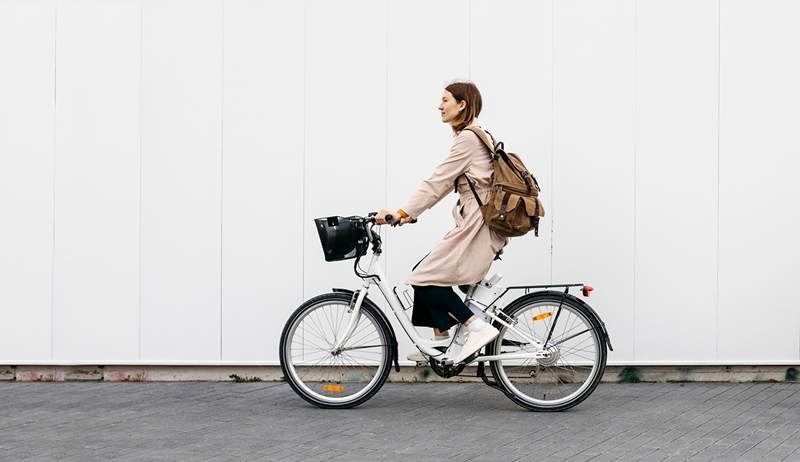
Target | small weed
(44,378)
(424,374)
(791,374)
(134,378)
(236,378)
(629,375)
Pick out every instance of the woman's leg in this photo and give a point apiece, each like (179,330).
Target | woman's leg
(429,300)
(444,305)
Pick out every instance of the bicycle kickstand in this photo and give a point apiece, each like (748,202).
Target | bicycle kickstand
(481,372)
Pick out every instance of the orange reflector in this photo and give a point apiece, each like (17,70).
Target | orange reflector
(333,388)
(539,317)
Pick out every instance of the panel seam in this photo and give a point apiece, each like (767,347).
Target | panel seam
(719,92)
(55,130)
(141,162)
(552,130)
(635,160)
(469,40)
(303,157)
(221,165)
(387,5)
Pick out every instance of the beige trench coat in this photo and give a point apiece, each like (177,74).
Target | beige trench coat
(466,252)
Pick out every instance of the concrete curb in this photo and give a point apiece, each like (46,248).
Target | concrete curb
(407,374)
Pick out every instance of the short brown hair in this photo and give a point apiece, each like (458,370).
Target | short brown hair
(466,91)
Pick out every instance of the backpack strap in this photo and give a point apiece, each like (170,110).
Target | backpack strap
(482,136)
(489,143)
(474,193)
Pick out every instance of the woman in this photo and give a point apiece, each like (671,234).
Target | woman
(465,252)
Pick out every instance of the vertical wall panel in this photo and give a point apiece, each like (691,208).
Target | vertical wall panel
(27,53)
(422,61)
(262,175)
(593,158)
(178,131)
(676,180)
(181,176)
(759,152)
(96,279)
(345,161)
(511,62)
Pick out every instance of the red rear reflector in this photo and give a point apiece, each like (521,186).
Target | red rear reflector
(587,290)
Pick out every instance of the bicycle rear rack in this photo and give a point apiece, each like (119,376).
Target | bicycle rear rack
(585,290)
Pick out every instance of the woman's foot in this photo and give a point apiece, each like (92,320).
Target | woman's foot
(420,357)
(477,334)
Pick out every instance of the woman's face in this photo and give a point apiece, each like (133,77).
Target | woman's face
(450,108)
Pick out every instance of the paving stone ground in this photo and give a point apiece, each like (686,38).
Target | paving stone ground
(409,422)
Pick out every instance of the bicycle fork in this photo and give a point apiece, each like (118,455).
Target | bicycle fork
(354,310)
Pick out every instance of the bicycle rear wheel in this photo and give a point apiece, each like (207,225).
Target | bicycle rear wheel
(328,378)
(576,352)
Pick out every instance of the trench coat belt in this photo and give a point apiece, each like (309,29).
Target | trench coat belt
(465,193)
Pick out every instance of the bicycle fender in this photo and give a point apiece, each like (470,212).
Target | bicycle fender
(577,300)
(382,316)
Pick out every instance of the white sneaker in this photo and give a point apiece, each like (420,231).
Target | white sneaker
(421,357)
(474,341)
(458,343)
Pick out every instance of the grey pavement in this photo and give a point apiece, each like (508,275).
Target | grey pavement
(410,422)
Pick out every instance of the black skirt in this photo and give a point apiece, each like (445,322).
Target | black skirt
(439,307)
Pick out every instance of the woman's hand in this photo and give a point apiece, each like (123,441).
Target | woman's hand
(405,220)
(380,219)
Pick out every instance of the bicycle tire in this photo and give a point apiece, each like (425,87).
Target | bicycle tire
(572,304)
(367,309)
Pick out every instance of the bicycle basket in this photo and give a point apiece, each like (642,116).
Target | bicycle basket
(342,238)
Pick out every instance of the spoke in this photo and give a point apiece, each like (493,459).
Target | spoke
(577,351)
(365,336)
(362,347)
(329,321)
(340,316)
(307,330)
(303,355)
(570,337)
(358,330)
(313,317)
(319,347)
(370,337)
(314,365)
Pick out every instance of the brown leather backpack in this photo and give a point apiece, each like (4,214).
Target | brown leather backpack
(513,207)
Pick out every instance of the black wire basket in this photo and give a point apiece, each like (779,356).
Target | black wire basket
(342,238)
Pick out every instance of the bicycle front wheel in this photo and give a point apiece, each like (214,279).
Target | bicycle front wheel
(331,378)
(576,352)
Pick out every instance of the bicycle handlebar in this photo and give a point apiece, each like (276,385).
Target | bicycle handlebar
(389,218)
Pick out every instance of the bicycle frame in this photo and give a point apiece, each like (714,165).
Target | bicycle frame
(377,276)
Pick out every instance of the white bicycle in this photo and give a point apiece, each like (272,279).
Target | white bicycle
(337,349)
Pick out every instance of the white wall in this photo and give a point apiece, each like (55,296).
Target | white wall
(161,163)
